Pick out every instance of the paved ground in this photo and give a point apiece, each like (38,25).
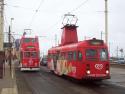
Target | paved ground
(44,82)
(118,76)
(8,83)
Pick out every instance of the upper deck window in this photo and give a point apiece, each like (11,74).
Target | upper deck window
(26,40)
(33,40)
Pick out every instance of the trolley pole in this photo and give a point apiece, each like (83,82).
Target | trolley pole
(106,21)
(9,37)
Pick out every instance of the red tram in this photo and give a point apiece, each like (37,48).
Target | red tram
(88,59)
(29,53)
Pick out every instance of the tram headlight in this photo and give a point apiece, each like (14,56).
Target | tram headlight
(88,71)
(35,64)
(107,71)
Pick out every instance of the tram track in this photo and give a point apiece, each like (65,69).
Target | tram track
(44,82)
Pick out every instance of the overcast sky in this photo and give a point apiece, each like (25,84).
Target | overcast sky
(47,20)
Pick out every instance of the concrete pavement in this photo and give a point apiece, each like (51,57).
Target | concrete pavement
(8,83)
(118,76)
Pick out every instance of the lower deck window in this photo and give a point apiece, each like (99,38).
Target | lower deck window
(79,55)
(30,54)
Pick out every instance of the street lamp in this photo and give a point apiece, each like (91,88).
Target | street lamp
(102,35)
(106,21)
(10,44)
(11,23)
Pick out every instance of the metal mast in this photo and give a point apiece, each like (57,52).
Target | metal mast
(106,21)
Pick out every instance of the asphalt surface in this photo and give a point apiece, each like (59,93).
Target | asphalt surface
(44,82)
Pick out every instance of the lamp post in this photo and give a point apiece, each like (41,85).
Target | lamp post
(102,35)
(10,44)
(11,24)
(106,21)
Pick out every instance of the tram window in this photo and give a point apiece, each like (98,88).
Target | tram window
(49,55)
(26,40)
(70,55)
(33,40)
(65,55)
(79,55)
(62,55)
(74,55)
(103,55)
(33,54)
(91,54)
(27,54)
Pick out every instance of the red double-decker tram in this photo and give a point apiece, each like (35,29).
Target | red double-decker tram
(29,53)
(88,59)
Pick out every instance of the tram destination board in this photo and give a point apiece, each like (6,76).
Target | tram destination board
(96,42)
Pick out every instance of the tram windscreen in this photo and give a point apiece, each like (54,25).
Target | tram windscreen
(103,55)
(91,54)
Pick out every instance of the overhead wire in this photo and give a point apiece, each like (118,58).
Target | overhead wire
(34,15)
(16,6)
(83,3)
(79,6)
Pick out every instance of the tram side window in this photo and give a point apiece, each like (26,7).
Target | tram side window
(48,55)
(79,55)
(74,55)
(62,56)
(70,55)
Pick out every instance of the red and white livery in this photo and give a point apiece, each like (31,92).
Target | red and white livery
(29,53)
(88,59)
